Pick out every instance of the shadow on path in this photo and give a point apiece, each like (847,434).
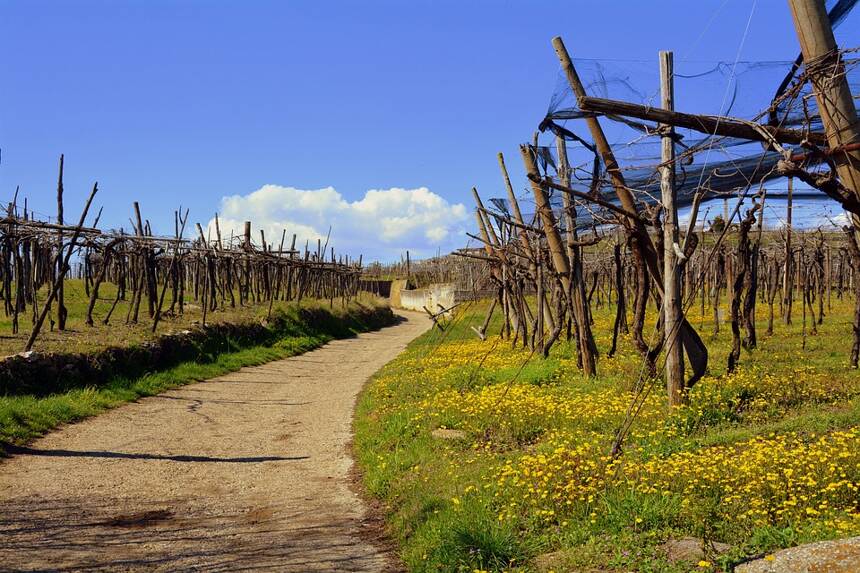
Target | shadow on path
(20,450)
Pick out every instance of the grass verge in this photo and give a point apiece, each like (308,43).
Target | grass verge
(490,458)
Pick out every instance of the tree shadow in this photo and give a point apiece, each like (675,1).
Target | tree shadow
(26,451)
(241,402)
(100,534)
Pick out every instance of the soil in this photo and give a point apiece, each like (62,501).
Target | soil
(248,471)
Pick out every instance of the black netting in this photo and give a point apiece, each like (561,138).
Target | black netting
(716,165)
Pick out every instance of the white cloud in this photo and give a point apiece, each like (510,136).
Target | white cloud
(382,224)
(830,220)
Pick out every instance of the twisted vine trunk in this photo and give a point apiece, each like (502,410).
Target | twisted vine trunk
(854,251)
(744,256)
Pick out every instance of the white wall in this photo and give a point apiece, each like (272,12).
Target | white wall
(430,297)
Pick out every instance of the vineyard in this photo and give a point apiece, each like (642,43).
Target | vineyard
(494,457)
(628,341)
(639,383)
(137,279)
(95,318)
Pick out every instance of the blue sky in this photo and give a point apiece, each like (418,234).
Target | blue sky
(189,102)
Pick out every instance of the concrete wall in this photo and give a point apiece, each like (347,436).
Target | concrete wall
(397,286)
(444,294)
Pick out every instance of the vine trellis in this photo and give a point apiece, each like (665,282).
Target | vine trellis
(154,274)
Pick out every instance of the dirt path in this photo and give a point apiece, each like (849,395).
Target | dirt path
(248,471)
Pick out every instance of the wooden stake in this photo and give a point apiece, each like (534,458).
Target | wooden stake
(62,274)
(643,241)
(673,310)
(788,276)
(709,124)
(553,239)
(62,313)
(830,84)
(515,208)
(578,300)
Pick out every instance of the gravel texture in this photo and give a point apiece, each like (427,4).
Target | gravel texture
(248,471)
(837,556)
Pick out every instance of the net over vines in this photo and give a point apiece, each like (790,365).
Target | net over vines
(774,93)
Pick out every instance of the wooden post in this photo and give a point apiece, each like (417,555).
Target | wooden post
(854,253)
(142,272)
(245,291)
(577,296)
(64,265)
(672,301)
(553,239)
(409,268)
(708,124)
(641,246)
(567,201)
(494,238)
(557,250)
(204,301)
(538,334)
(61,298)
(828,276)
(788,277)
(830,84)
(515,209)
(217,232)
(625,197)
(246,236)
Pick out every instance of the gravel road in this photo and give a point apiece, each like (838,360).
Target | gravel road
(248,471)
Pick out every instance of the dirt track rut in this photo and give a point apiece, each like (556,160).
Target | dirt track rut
(248,471)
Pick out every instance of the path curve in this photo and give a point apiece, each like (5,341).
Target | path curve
(248,471)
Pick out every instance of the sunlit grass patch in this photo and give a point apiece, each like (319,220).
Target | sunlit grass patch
(760,459)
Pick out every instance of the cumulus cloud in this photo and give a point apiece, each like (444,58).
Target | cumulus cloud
(382,224)
(830,219)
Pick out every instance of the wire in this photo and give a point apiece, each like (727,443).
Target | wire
(641,386)
(726,92)
(706,28)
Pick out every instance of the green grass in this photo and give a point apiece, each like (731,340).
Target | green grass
(444,500)
(78,337)
(293,330)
